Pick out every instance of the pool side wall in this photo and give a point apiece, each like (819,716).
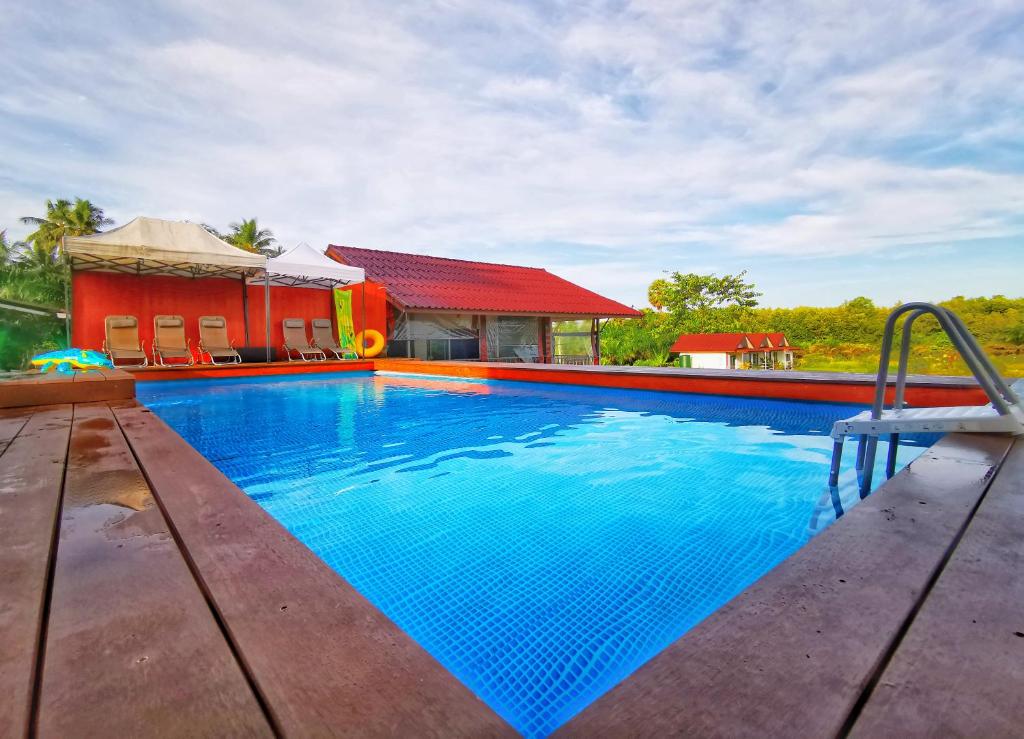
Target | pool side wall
(922,391)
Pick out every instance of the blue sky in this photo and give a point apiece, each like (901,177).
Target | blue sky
(832,149)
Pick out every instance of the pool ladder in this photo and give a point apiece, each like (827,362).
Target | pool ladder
(1002,415)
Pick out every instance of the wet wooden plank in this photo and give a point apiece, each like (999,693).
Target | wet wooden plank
(326,661)
(11,422)
(959,671)
(794,652)
(89,376)
(132,647)
(31,473)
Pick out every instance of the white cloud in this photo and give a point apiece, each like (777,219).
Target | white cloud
(668,131)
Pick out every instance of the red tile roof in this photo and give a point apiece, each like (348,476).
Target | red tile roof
(419,282)
(728,342)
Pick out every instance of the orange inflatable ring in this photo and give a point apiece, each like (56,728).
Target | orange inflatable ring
(376,343)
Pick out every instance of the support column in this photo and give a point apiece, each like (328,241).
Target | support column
(544,347)
(245,307)
(482,328)
(266,305)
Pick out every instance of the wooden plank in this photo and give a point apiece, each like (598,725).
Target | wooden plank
(959,671)
(54,388)
(325,660)
(132,648)
(31,473)
(10,424)
(90,376)
(793,653)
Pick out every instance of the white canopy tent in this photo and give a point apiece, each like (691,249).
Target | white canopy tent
(146,246)
(304,266)
(154,246)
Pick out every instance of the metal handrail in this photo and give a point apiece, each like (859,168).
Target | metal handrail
(998,391)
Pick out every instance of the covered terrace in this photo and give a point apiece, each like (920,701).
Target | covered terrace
(151,267)
(454,309)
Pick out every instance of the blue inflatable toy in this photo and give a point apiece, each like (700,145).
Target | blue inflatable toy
(67,361)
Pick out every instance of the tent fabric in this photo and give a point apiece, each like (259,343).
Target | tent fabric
(303,265)
(170,247)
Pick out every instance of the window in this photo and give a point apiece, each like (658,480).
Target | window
(513,339)
(435,336)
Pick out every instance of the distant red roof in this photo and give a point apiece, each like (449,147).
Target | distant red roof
(419,282)
(730,342)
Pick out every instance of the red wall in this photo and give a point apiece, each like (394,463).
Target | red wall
(96,295)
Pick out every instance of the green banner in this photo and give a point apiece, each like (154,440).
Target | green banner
(346,329)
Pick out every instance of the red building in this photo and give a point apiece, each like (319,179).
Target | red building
(733,351)
(441,308)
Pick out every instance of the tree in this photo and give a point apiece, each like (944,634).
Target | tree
(687,293)
(63,218)
(248,236)
(644,340)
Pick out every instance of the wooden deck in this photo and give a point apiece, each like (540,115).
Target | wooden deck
(34,388)
(902,619)
(146,595)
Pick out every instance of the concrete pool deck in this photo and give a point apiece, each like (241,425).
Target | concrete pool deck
(146,594)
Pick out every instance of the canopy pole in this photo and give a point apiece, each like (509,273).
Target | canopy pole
(67,264)
(266,303)
(245,307)
(362,293)
(67,292)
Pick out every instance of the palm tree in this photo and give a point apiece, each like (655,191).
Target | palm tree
(63,218)
(248,236)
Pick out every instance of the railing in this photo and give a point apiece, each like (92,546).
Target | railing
(999,393)
(572,359)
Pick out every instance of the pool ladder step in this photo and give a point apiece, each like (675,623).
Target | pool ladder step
(1003,414)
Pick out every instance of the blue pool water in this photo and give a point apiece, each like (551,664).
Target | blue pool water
(541,541)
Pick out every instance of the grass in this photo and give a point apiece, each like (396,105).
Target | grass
(1009,361)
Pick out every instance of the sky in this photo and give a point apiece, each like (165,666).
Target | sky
(831,149)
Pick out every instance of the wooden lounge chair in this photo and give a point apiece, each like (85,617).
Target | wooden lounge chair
(121,340)
(214,342)
(169,340)
(295,341)
(323,337)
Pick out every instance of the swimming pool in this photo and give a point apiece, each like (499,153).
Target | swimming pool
(541,541)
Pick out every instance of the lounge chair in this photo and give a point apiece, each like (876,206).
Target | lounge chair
(527,354)
(121,340)
(169,340)
(214,342)
(323,338)
(295,341)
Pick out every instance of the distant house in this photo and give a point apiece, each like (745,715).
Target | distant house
(438,308)
(733,351)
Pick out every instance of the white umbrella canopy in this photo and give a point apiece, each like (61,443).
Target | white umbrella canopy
(304,266)
(155,246)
